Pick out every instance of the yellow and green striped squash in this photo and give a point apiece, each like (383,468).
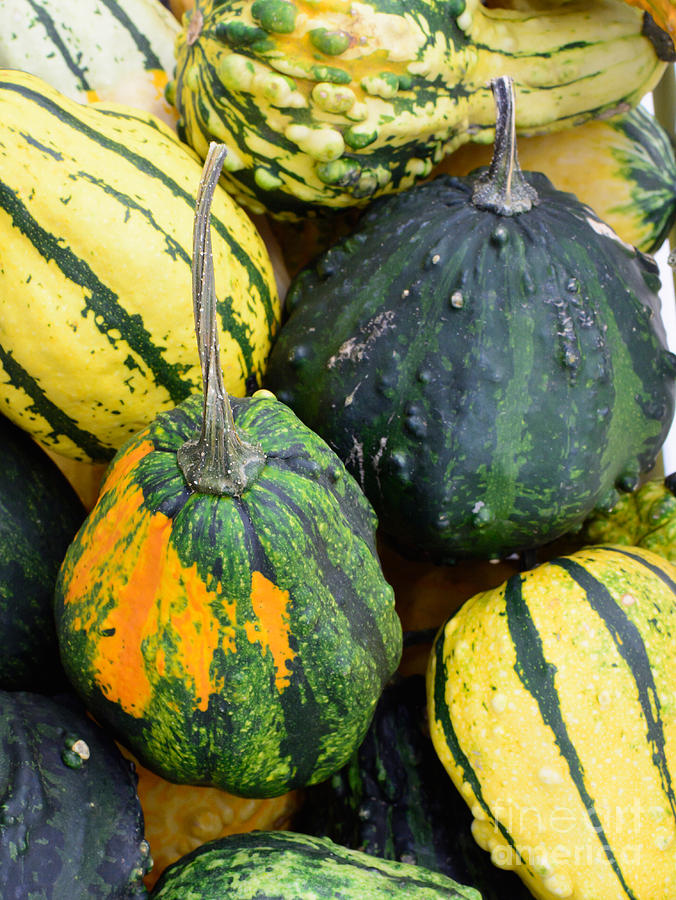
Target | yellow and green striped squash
(96,321)
(551,704)
(329,104)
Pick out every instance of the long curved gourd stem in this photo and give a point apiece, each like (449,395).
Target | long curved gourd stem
(503,189)
(218,461)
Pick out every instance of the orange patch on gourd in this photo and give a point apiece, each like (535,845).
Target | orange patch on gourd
(161,624)
(271,607)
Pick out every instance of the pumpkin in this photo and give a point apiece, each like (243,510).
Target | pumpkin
(623,167)
(96,212)
(330,104)
(663,13)
(179,818)
(39,515)
(290,866)
(551,706)
(481,405)
(223,609)
(93,50)
(394,800)
(646,518)
(71,826)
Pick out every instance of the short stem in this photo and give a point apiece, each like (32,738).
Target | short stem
(503,189)
(218,461)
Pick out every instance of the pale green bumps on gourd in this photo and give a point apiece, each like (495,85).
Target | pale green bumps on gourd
(645,518)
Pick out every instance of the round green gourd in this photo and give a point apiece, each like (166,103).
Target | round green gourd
(495,364)
(223,608)
(551,706)
(330,104)
(286,866)
(39,515)
(71,826)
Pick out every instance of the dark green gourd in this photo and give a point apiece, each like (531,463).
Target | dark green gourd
(39,515)
(71,826)
(394,800)
(282,865)
(485,355)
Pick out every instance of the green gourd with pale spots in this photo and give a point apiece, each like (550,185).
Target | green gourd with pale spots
(223,609)
(645,518)
(330,104)
(287,866)
(71,825)
(495,365)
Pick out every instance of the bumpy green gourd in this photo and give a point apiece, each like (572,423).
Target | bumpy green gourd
(329,104)
(485,355)
(646,518)
(71,825)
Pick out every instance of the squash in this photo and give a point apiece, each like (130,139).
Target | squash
(330,104)
(39,515)
(663,13)
(290,866)
(71,827)
(551,707)
(482,407)
(223,609)
(93,50)
(646,518)
(179,818)
(394,800)
(96,213)
(623,167)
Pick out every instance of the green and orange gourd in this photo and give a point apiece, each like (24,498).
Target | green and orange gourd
(223,609)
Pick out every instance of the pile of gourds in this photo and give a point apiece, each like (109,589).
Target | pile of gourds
(350,579)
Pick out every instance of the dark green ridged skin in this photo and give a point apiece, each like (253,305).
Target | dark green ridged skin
(648,164)
(287,866)
(394,800)
(39,516)
(255,660)
(70,828)
(488,379)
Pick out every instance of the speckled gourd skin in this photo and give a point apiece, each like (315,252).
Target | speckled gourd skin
(39,516)
(551,706)
(71,826)
(646,518)
(330,104)
(287,866)
(488,379)
(237,642)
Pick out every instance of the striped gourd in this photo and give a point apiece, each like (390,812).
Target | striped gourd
(644,518)
(287,866)
(223,608)
(96,216)
(93,50)
(551,705)
(332,103)
(622,167)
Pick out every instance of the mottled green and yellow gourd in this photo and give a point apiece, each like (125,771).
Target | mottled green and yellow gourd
(96,217)
(329,104)
(551,705)
(645,518)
